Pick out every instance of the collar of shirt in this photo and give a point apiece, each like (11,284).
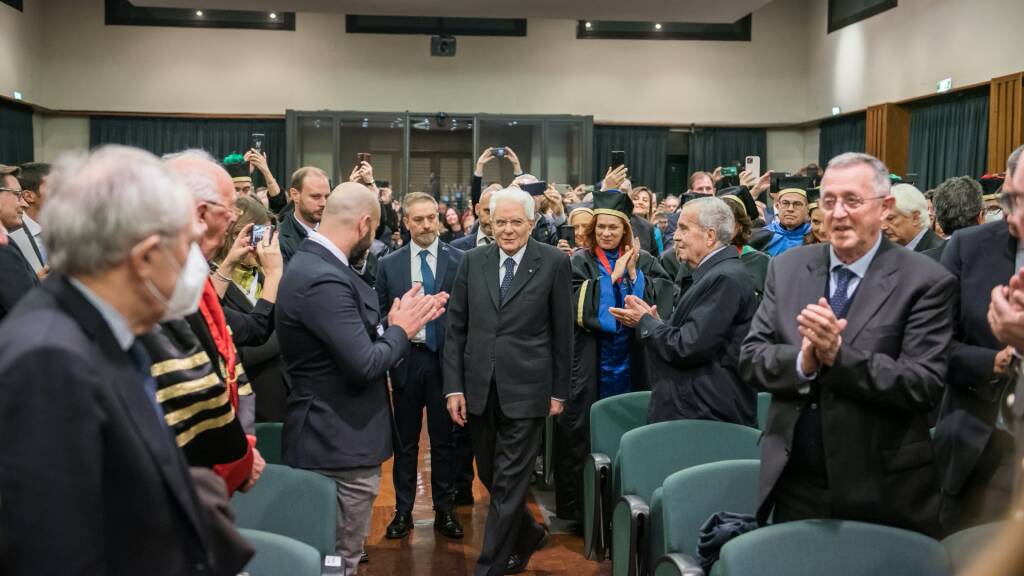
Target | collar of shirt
(31,225)
(480,236)
(303,224)
(323,241)
(517,257)
(860,266)
(416,249)
(917,239)
(118,325)
(709,255)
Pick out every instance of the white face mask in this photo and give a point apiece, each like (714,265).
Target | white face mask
(993,215)
(189,287)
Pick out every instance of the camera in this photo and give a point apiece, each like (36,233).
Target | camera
(499,152)
(259,231)
(441,119)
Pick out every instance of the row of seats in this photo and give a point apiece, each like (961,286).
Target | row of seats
(645,507)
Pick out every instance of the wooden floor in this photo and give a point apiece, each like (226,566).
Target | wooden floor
(426,552)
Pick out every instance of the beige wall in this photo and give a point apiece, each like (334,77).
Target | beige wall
(19,51)
(55,135)
(904,52)
(95,67)
(791,149)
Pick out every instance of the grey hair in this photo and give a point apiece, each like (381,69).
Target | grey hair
(1012,161)
(102,204)
(524,179)
(910,200)
(850,159)
(714,214)
(199,182)
(513,194)
(957,203)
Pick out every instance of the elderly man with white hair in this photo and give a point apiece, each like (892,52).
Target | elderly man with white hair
(693,355)
(507,365)
(81,432)
(908,223)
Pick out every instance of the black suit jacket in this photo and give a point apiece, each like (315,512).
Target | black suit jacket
(875,399)
(524,345)
(290,235)
(694,354)
(394,278)
(16,277)
(644,230)
(338,354)
(91,479)
(981,258)
(467,242)
(928,241)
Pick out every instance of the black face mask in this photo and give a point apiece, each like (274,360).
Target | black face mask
(359,250)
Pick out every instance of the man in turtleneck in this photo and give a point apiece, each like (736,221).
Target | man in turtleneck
(791,225)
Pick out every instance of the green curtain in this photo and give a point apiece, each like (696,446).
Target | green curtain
(839,135)
(949,138)
(219,137)
(645,154)
(16,141)
(714,147)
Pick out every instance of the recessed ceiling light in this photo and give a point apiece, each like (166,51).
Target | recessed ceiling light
(199,12)
(587,25)
(657,26)
(273,15)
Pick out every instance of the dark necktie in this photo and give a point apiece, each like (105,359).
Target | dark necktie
(487,240)
(142,362)
(839,300)
(506,281)
(428,288)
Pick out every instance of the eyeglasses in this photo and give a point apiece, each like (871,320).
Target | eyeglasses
(829,203)
(236,210)
(17,193)
(1011,201)
(506,223)
(786,205)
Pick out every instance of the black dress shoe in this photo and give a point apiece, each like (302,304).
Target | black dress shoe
(518,561)
(447,524)
(463,497)
(400,527)
(364,558)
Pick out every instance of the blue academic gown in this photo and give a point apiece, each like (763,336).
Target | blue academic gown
(615,338)
(783,239)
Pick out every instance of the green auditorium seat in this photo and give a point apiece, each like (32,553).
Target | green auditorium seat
(965,544)
(295,503)
(609,420)
(764,400)
(268,441)
(649,455)
(278,555)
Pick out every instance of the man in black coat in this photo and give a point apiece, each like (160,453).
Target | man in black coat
(416,383)
(507,365)
(481,234)
(308,192)
(91,477)
(693,355)
(338,352)
(851,339)
(15,271)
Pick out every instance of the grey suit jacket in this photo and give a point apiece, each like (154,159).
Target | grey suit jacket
(875,399)
(525,345)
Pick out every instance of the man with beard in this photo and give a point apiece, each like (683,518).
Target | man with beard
(481,234)
(338,353)
(309,191)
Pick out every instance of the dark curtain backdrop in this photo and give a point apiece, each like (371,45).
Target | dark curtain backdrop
(645,154)
(846,134)
(16,142)
(217,136)
(714,147)
(949,138)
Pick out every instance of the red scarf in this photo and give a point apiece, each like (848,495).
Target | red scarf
(212,312)
(603,259)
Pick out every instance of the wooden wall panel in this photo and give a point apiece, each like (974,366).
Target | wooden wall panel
(1005,119)
(888,135)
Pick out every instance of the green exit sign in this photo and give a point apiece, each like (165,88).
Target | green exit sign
(944,85)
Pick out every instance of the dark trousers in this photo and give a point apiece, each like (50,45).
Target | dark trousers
(463,460)
(988,492)
(423,389)
(505,451)
(796,499)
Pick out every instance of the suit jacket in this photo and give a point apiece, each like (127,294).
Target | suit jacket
(338,355)
(290,235)
(394,278)
(85,461)
(928,241)
(524,345)
(875,399)
(18,277)
(262,362)
(644,230)
(936,252)
(981,258)
(467,242)
(694,354)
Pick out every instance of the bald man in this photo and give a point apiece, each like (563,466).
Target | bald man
(338,350)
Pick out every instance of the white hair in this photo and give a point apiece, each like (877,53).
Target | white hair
(102,204)
(186,164)
(910,200)
(714,214)
(524,179)
(513,194)
(851,159)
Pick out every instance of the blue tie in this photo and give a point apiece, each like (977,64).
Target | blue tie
(143,363)
(840,301)
(428,288)
(506,281)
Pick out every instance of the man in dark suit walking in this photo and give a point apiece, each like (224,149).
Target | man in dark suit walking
(308,191)
(851,339)
(91,478)
(416,383)
(694,354)
(338,352)
(507,365)
(15,271)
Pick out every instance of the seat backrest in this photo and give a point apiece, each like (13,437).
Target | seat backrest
(689,497)
(833,547)
(276,554)
(964,545)
(651,453)
(268,441)
(764,400)
(296,503)
(610,418)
